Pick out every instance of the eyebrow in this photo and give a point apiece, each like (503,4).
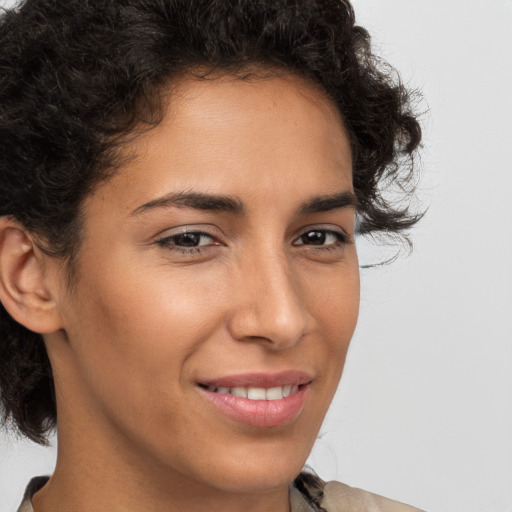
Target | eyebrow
(196,201)
(326,203)
(229,204)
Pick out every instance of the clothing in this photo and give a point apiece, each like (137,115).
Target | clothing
(338,497)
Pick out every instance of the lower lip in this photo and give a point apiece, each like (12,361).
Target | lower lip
(260,413)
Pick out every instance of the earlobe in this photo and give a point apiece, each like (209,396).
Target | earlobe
(23,290)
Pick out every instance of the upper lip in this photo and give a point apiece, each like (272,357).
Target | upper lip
(260,379)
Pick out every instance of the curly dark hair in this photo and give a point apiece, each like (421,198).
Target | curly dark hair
(78,77)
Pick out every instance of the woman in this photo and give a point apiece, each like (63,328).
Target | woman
(179,280)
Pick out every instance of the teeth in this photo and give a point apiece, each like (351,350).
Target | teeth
(274,393)
(242,392)
(256,394)
(252,393)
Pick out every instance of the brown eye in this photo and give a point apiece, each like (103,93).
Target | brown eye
(321,237)
(314,238)
(187,239)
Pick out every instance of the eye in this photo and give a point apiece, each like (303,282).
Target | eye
(326,238)
(188,241)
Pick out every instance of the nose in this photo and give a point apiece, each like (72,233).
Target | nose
(270,306)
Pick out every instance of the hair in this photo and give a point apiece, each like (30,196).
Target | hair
(79,77)
(312,488)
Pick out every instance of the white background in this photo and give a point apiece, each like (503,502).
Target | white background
(424,411)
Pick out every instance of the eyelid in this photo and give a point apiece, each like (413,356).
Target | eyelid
(200,229)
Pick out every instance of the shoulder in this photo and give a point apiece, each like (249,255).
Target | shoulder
(338,497)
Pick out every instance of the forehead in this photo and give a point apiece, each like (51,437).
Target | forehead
(228,135)
(240,99)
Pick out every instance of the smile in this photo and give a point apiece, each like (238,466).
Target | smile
(261,400)
(253,393)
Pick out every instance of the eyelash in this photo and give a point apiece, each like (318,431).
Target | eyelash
(169,242)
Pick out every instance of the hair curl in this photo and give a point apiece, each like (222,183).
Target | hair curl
(78,76)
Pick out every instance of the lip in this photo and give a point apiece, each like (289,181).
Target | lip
(259,413)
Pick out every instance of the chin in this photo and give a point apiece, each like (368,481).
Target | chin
(257,474)
(257,482)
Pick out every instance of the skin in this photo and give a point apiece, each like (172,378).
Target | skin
(144,321)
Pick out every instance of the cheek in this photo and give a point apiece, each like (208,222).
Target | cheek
(336,306)
(132,346)
(151,309)
(335,300)
(133,332)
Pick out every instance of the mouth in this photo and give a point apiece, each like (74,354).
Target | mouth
(260,400)
(256,393)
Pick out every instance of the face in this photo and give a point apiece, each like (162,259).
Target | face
(217,287)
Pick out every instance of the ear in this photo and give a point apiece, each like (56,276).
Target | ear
(23,285)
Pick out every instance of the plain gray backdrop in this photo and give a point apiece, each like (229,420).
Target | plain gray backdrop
(424,409)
